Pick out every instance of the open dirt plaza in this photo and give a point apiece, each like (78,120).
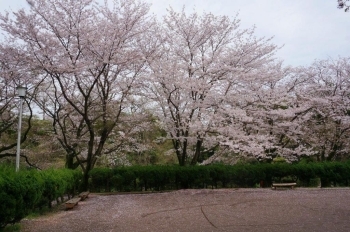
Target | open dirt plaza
(192,210)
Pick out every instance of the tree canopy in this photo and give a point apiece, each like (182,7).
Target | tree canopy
(105,74)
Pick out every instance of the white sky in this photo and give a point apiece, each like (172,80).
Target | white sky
(308,29)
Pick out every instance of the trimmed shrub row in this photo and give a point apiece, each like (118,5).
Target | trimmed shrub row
(24,192)
(156,178)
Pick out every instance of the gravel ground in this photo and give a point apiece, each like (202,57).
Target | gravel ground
(205,210)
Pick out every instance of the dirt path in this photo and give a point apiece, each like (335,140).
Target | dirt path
(205,210)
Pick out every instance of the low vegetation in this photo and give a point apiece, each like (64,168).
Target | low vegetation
(28,191)
(159,178)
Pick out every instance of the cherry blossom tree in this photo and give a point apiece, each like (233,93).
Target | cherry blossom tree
(102,73)
(202,78)
(302,113)
(307,112)
(89,56)
(219,90)
(255,114)
(326,95)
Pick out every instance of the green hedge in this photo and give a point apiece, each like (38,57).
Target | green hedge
(25,191)
(157,178)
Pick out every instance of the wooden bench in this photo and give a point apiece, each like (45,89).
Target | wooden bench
(84,195)
(275,185)
(72,202)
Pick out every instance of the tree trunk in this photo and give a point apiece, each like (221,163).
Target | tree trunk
(197,152)
(85,182)
(70,161)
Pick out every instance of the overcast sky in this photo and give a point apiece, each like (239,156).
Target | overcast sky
(308,29)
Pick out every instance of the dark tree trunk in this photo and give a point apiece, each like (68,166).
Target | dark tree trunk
(197,152)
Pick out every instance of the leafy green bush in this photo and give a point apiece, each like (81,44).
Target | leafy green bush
(333,173)
(23,192)
(306,174)
(156,178)
(57,183)
(100,179)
